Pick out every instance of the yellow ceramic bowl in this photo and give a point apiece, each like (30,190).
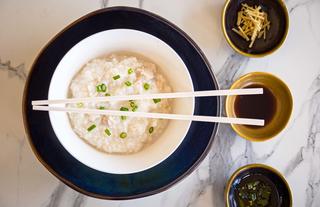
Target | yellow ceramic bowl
(281,185)
(284,105)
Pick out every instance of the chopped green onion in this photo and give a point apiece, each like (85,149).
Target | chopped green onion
(151,130)
(146,86)
(102,107)
(116,77)
(133,106)
(90,128)
(123,109)
(107,94)
(80,105)
(101,88)
(254,193)
(130,70)
(128,83)
(123,135)
(107,131)
(156,100)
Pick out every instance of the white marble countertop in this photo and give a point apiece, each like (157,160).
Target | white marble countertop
(26,26)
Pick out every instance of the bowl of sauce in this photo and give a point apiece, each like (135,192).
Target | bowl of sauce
(274,106)
(258,185)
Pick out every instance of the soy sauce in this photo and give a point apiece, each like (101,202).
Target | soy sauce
(262,106)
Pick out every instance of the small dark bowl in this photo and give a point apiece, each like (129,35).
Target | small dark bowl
(277,15)
(281,193)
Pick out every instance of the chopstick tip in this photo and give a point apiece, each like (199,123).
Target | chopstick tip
(261,92)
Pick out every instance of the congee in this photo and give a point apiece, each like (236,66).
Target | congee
(119,75)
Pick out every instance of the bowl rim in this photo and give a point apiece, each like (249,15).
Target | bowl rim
(268,52)
(251,166)
(252,138)
(139,195)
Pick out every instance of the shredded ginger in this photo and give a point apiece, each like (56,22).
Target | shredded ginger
(252,23)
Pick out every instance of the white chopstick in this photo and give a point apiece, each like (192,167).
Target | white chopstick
(245,91)
(245,121)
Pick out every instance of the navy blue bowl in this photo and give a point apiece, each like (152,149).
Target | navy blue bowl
(84,179)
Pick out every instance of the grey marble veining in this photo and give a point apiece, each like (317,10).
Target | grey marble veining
(294,4)
(141,3)
(310,153)
(104,3)
(79,200)
(62,196)
(14,71)
(56,195)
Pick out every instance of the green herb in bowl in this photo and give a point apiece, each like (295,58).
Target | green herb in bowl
(254,194)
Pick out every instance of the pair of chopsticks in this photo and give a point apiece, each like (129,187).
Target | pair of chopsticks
(39,105)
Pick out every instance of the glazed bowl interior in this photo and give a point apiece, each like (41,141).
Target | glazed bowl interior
(100,45)
(283,109)
(279,23)
(281,192)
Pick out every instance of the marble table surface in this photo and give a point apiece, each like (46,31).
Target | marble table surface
(26,26)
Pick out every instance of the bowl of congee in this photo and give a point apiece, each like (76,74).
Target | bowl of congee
(111,156)
(125,64)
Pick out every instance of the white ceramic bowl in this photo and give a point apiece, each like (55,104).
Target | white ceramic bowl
(102,44)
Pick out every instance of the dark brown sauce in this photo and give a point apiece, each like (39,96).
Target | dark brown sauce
(262,106)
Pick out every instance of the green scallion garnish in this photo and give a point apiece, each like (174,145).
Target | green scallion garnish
(90,128)
(79,105)
(102,107)
(133,106)
(123,109)
(101,87)
(254,193)
(107,94)
(123,135)
(128,83)
(116,77)
(151,130)
(130,70)
(146,86)
(107,131)
(156,100)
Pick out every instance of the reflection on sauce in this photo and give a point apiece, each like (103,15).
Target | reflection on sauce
(262,106)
